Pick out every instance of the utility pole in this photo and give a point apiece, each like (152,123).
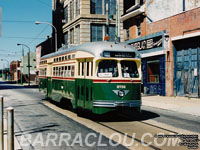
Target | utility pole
(118,21)
(28,61)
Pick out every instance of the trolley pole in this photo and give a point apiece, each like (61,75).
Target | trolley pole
(10,128)
(1,124)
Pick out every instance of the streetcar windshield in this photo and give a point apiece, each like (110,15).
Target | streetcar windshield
(129,69)
(107,69)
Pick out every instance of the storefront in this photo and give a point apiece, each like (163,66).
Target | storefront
(186,65)
(152,49)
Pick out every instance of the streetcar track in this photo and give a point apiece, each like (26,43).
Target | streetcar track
(112,128)
(129,136)
(152,125)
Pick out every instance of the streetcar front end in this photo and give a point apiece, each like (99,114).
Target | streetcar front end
(117,83)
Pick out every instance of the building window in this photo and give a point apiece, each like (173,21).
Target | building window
(72,36)
(77,7)
(96,7)
(111,33)
(66,14)
(153,71)
(138,27)
(96,32)
(77,34)
(127,33)
(71,10)
(111,7)
(66,38)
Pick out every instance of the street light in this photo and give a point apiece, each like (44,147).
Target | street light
(38,22)
(28,62)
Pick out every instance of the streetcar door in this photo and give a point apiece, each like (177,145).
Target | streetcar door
(80,84)
(84,84)
(48,86)
(88,83)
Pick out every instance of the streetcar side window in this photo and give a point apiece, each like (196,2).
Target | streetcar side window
(88,68)
(82,69)
(79,68)
(91,68)
(72,70)
(107,69)
(65,74)
(129,69)
(54,71)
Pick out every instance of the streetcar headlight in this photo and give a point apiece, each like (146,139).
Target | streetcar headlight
(121,93)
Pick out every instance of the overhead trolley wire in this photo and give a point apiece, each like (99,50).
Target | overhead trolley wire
(38,34)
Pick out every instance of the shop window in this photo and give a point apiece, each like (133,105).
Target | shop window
(153,71)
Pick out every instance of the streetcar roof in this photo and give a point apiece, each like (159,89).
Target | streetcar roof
(95,48)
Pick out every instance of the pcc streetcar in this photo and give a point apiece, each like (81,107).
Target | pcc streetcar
(98,76)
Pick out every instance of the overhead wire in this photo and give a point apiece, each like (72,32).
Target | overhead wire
(17,37)
(38,34)
(44,3)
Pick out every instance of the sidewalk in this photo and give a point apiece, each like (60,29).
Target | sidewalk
(16,143)
(179,104)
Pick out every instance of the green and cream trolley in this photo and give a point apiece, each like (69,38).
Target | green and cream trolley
(98,76)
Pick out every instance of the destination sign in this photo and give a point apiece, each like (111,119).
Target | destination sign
(119,54)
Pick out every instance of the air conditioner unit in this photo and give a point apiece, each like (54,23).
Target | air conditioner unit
(63,21)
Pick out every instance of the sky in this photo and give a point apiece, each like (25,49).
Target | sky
(18,26)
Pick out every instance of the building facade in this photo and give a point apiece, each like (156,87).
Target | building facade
(24,67)
(86,20)
(167,35)
(15,74)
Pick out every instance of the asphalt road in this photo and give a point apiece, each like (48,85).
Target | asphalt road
(39,127)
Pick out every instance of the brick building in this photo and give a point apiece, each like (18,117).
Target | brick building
(167,34)
(15,74)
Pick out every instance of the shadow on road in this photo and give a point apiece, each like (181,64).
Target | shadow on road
(121,116)
(115,116)
(11,85)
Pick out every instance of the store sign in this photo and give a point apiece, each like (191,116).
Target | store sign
(155,42)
